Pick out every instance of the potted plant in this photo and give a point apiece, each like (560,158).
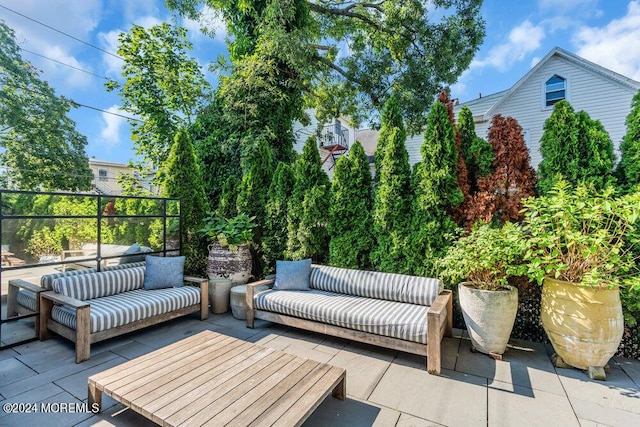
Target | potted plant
(229,254)
(582,251)
(483,262)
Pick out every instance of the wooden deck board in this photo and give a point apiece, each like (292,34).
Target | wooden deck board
(211,379)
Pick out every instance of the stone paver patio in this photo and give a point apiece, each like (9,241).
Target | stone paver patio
(384,388)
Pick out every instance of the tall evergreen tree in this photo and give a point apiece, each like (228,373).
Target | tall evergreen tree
(574,147)
(252,196)
(391,205)
(350,221)
(274,240)
(628,171)
(476,152)
(595,155)
(183,180)
(558,146)
(308,208)
(436,193)
(391,119)
(227,206)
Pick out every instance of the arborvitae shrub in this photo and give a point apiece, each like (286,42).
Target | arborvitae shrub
(559,147)
(436,193)
(391,206)
(628,171)
(350,221)
(595,155)
(252,196)
(274,239)
(476,152)
(391,119)
(500,193)
(227,205)
(183,181)
(308,208)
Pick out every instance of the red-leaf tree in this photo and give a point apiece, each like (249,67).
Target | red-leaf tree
(500,193)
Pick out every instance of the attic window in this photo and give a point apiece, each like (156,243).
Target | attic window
(555,90)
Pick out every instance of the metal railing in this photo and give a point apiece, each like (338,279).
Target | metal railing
(36,227)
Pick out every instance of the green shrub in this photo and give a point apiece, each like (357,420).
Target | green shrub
(308,208)
(628,171)
(350,219)
(274,240)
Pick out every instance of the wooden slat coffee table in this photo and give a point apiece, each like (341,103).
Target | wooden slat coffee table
(213,379)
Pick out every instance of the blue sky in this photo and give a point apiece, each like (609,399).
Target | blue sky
(519,34)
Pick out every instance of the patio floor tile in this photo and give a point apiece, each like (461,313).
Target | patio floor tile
(453,398)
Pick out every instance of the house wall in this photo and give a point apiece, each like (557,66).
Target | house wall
(602,97)
(302,133)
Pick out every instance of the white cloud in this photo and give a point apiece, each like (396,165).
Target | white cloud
(566,5)
(209,20)
(110,133)
(522,40)
(109,42)
(614,46)
(50,43)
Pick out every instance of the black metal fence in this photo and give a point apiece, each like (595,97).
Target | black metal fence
(45,232)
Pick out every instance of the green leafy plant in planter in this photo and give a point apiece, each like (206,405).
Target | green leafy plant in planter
(483,262)
(582,250)
(229,232)
(229,262)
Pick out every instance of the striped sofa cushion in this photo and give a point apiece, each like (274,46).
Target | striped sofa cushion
(46,281)
(375,284)
(117,310)
(27,299)
(95,285)
(381,317)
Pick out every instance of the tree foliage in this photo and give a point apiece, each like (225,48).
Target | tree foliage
(476,152)
(499,196)
(436,193)
(391,119)
(350,222)
(576,148)
(308,208)
(391,205)
(628,171)
(183,181)
(41,145)
(413,47)
(163,88)
(274,240)
(252,196)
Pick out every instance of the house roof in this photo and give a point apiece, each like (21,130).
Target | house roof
(486,106)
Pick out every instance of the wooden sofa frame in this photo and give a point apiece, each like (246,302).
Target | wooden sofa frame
(82,336)
(439,324)
(13,308)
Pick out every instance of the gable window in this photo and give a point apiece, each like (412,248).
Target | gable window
(102,174)
(555,90)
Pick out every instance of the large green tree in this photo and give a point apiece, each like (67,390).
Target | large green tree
(628,171)
(274,241)
(308,209)
(476,152)
(41,145)
(350,221)
(436,193)
(414,47)
(575,147)
(391,119)
(391,204)
(163,87)
(183,181)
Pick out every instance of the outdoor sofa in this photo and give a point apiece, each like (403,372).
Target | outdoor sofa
(396,311)
(24,297)
(110,255)
(91,307)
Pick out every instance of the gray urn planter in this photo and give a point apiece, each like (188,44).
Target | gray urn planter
(489,317)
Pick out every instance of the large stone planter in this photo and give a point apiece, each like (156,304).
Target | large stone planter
(489,317)
(584,325)
(225,263)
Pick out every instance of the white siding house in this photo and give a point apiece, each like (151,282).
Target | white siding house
(602,93)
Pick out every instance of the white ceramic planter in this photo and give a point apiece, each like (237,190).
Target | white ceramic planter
(489,316)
